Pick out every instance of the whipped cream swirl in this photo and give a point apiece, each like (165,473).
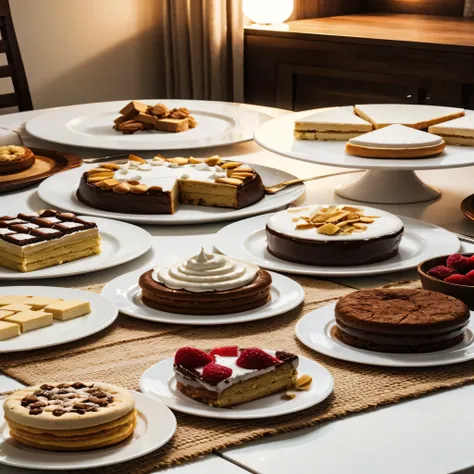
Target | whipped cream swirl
(207,272)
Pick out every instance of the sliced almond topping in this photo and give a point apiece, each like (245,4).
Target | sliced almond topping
(231,181)
(295,219)
(367,220)
(351,208)
(212,160)
(358,225)
(194,161)
(342,224)
(136,158)
(242,176)
(139,189)
(328,229)
(232,164)
(304,382)
(110,166)
(122,188)
(248,169)
(99,177)
(108,184)
(98,170)
(331,209)
(288,396)
(179,160)
(337,217)
(155,190)
(133,182)
(352,216)
(319,218)
(304,226)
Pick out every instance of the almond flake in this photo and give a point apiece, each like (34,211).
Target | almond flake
(328,229)
(304,226)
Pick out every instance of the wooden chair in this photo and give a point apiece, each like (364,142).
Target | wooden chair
(14,69)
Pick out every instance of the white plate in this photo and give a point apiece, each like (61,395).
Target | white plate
(121,243)
(246,240)
(103,314)
(156,425)
(159,381)
(90,126)
(126,294)
(314,331)
(60,191)
(277,136)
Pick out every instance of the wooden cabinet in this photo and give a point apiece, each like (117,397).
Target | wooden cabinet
(325,62)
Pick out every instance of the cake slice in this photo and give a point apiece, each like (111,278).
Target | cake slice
(331,124)
(410,115)
(229,376)
(459,131)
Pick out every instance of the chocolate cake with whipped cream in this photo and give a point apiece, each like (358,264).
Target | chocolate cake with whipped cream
(206,284)
(400,320)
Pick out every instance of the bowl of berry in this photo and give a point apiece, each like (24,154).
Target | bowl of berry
(450,274)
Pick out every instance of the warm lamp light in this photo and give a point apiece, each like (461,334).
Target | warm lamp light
(268,11)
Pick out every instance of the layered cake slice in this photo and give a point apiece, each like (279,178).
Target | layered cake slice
(46,238)
(206,284)
(459,131)
(400,320)
(229,376)
(331,124)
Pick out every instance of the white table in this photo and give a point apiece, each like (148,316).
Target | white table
(429,435)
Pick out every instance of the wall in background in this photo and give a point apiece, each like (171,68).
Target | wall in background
(78,51)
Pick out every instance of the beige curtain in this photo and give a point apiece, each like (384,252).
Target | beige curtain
(469,8)
(202,46)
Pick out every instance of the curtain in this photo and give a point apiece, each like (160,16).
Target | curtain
(202,49)
(469,8)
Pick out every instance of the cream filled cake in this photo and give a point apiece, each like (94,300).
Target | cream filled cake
(459,131)
(332,235)
(229,376)
(331,124)
(30,241)
(70,416)
(396,141)
(158,186)
(207,284)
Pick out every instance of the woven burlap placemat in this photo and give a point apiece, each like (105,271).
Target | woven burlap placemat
(121,353)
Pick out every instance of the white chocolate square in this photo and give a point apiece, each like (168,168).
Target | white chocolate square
(29,320)
(39,302)
(70,309)
(4,300)
(16,307)
(8,330)
(4,314)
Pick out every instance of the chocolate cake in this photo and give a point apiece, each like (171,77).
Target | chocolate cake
(400,320)
(159,186)
(206,284)
(331,235)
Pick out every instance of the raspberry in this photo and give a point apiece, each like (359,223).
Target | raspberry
(441,272)
(471,261)
(459,280)
(215,373)
(227,351)
(459,262)
(192,358)
(254,358)
(470,275)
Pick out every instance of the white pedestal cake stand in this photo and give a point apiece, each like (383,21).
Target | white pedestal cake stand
(386,181)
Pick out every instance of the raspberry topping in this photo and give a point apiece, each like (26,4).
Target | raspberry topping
(459,262)
(254,358)
(227,351)
(215,373)
(459,280)
(441,272)
(470,275)
(192,358)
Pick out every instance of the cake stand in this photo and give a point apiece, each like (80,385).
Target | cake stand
(385,181)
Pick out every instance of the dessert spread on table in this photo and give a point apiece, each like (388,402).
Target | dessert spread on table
(14,158)
(19,314)
(206,284)
(400,320)
(333,235)
(70,416)
(229,376)
(158,186)
(34,240)
(395,141)
(137,116)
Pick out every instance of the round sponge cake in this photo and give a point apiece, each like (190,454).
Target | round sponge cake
(400,320)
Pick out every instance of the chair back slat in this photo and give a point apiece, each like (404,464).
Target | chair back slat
(14,69)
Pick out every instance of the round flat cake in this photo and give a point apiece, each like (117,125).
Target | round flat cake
(332,235)
(70,416)
(206,284)
(400,320)
(15,158)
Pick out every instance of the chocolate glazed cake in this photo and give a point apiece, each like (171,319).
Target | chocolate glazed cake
(342,236)
(157,187)
(400,320)
(206,285)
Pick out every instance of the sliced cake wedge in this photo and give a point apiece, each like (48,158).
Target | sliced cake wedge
(459,131)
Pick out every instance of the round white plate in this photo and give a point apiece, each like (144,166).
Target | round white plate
(60,191)
(156,425)
(125,293)
(120,243)
(159,381)
(103,314)
(246,240)
(277,136)
(314,331)
(90,126)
